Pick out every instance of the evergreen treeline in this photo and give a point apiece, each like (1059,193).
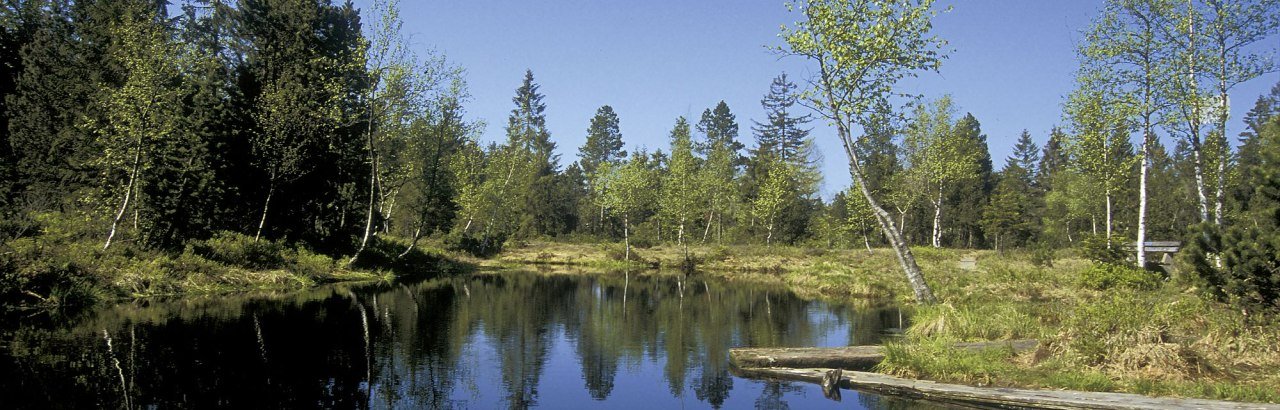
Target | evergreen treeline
(128,124)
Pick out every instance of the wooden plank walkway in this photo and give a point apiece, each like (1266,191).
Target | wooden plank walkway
(970,396)
(859,358)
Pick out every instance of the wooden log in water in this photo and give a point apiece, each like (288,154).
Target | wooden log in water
(848,358)
(986,397)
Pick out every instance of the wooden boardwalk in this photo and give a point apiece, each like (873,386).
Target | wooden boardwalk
(859,358)
(812,364)
(962,395)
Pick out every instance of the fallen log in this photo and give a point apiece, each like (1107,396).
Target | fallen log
(860,358)
(962,395)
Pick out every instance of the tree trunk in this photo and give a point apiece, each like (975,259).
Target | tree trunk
(1220,194)
(417,234)
(271,190)
(866,242)
(707,231)
(936,238)
(1142,199)
(1199,175)
(626,238)
(1108,220)
(128,195)
(368,219)
(915,276)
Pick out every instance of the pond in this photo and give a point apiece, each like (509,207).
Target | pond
(487,340)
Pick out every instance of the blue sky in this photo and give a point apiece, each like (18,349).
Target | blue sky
(653,61)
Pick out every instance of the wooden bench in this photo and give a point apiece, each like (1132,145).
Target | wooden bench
(1161,246)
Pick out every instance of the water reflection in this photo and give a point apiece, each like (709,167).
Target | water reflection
(513,339)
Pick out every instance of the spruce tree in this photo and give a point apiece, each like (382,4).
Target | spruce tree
(604,141)
(783,134)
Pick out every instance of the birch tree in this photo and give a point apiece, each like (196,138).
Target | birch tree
(1231,27)
(627,189)
(140,114)
(937,156)
(1098,122)
(778,189)
(679,196)
(1125,40)
(862,49)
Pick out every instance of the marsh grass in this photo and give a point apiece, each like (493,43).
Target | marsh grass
(63,266)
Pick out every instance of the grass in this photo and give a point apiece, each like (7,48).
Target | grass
(1101,327)
(61,266)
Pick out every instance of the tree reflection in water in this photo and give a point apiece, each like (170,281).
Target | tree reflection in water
(511,339)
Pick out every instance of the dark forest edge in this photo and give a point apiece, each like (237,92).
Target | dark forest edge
(62,266)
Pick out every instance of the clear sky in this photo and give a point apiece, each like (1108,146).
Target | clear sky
(1011,65)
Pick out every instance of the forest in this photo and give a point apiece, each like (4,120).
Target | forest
(309,135)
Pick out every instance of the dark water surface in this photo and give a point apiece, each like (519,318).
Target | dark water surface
(491,340)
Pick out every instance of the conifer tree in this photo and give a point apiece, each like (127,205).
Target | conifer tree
(604,145)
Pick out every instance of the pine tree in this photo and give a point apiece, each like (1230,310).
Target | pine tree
(784,134)
(542,211)
(1026,155)
(722,156)
(603,146)
(719,128)
(969,196)
(604,141)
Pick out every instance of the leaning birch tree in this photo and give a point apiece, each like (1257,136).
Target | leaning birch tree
(139,113)
(862,48)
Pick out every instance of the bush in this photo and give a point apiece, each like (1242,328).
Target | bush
(1100,249)
(478,246)
(618,252)
(33,271)
(309,264)
(241,250)
(1103,276)
(641,243)
(1042,255)
(1238,265)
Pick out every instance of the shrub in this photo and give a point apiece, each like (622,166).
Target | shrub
(241,250)
(1103,276)
(34,271)
(1042,255)
(478,246)
(1099,248)
(618,252)
(1238,265)
(309,264)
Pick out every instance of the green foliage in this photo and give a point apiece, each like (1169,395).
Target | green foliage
(478,245)
(1042,255)
(241,250)
(1238,262)
(604,141)
(1103,276)
(680,191)
(974,323)
(1099,248)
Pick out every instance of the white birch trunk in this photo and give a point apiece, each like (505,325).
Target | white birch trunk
(128,195)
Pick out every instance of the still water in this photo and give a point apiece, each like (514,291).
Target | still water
(488,340)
